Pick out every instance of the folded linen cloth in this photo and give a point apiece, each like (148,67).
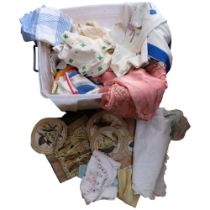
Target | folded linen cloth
(151,143)
(141,34)
(45,24)
(97,182)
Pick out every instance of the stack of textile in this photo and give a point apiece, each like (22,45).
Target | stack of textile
(121,149)
(114,156)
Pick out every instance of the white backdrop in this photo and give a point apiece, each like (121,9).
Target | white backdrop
(26,178)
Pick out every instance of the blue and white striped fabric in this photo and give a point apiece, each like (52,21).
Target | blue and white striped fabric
(159,45)
(80,83)
(45,24)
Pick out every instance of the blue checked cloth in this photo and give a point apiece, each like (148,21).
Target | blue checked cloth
(45,24)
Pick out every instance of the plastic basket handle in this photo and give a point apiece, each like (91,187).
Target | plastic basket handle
(35,57)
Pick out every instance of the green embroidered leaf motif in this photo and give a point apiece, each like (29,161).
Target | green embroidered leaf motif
(82,44)
(71,60)
(65,36)
(100,68)
(100,57)
(84,68)
(103,47)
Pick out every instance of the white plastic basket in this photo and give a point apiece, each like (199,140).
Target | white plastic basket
(104,15)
